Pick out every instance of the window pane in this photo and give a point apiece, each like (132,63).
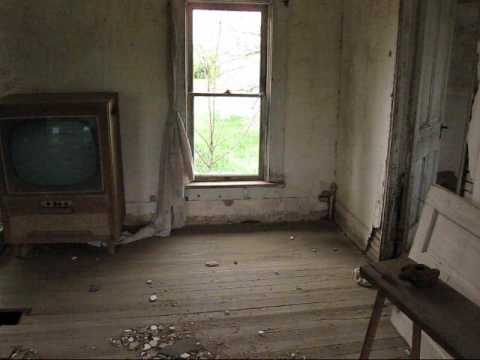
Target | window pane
(226,51)
(227,136)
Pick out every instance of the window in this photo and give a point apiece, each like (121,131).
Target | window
(228,90)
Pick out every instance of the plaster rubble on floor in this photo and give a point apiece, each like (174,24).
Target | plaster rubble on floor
(330,314)
(160,342)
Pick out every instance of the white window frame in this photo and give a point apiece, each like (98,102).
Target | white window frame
(273,110)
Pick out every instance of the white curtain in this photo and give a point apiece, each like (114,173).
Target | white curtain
(176,170)
(474,142)
(176,162)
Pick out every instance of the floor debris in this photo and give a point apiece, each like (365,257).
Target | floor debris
(22,353)
(360,280)
(133,346)
(212,264)
(149,282)
(154,328)
(153,298)
(159,342)
(182,346)
(93,289)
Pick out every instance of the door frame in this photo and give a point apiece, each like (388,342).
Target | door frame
(401,127)
(398,185)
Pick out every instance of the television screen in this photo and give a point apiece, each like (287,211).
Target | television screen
(54,154)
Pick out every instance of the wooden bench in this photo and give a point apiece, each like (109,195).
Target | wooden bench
(447,316)
(448,239)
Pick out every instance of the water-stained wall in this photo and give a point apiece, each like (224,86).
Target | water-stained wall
(121,45)
(370,30)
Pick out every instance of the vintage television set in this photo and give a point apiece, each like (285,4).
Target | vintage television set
(61,168)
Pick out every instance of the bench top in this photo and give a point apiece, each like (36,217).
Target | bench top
(447,316)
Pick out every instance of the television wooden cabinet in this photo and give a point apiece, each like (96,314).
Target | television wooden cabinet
(61,163)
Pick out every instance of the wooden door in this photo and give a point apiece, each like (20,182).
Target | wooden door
(434,43)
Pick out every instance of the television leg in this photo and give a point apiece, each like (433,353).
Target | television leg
(22,251)
(16,250)
(111,248)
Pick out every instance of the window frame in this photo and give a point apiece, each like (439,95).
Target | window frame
(264,82)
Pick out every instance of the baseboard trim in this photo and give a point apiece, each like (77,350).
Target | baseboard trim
(357,232)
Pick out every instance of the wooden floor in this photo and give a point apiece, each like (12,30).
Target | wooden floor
(299,292)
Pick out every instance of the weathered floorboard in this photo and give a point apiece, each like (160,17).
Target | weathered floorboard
(300,292)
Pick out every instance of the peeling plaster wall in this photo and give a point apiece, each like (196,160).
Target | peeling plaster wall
(311,126)
(8,47)
(121,45)
(367,76)
(90,45)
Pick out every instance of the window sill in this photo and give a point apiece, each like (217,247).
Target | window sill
(232,184)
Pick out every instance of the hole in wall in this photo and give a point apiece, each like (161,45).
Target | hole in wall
(12,317)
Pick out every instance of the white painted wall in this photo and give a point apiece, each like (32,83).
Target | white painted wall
(121,45)
(367,77)
(310,130)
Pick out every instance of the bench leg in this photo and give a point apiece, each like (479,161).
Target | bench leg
(373,325)
(416,341)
